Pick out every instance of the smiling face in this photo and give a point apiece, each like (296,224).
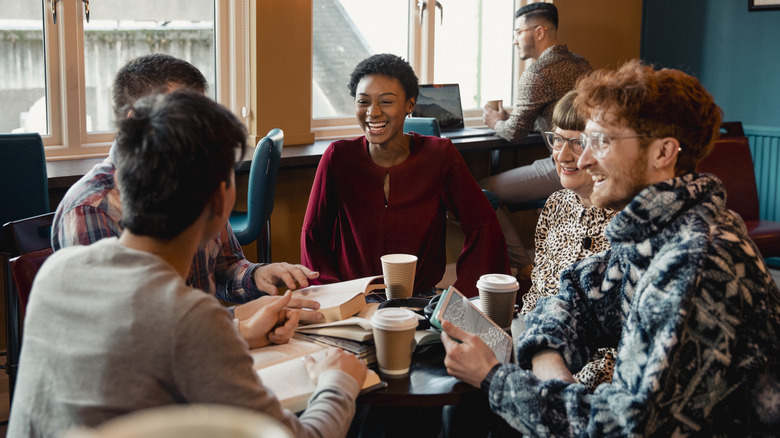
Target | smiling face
(571,176)
(622,173)
(380,107)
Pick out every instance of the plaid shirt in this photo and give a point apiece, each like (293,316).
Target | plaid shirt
(91,210)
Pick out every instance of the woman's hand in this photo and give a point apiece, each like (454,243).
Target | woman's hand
(469,360)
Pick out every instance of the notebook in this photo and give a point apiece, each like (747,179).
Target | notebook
(442,102)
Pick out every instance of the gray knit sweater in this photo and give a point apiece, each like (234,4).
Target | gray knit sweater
(110,330)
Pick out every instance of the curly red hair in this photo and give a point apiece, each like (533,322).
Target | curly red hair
(657,103)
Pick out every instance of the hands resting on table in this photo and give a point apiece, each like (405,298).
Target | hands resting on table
(471,359)
(274,318)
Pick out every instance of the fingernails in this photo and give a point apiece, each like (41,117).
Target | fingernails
(314,274)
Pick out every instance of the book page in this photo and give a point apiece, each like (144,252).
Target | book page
(276,353)
(363,323)
(343,289)
(290,382)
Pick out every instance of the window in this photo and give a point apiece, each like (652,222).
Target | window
(450,41)
(57,76)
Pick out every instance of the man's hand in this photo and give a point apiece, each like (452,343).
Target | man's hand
(307,309)
(491,116)
(469,360)
(271,323)
(549,365)
(336,359)
(269,277)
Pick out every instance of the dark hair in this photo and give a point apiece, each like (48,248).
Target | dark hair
(172,152)
(541,11)
(657,103)
(153,73)
(566,116)
(388,65)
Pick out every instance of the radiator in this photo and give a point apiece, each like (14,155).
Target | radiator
(765,148)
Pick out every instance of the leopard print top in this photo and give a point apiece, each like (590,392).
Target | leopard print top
(568,232)
(563,232)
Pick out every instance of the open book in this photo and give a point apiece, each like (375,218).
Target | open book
(341,300)
(356,328)
(282,371)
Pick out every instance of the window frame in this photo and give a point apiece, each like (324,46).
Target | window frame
(65,75)
(421,56)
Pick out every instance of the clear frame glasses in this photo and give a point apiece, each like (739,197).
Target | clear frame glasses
(599,142)
(556,142)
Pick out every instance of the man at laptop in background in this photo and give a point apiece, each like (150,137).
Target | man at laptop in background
(554,72)
(91,209)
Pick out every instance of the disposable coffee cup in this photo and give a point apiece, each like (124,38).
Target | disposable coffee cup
(497,105)
(398,271)
(394,329)
(497,294)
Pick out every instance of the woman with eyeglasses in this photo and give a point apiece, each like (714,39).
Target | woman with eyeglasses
(570,228)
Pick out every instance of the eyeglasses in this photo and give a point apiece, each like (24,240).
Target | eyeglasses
(600,142)
(556,142)
(518,32)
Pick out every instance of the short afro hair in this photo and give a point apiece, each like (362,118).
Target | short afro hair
(389,65)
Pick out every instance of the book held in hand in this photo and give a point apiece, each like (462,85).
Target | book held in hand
(341,300)
(459,310)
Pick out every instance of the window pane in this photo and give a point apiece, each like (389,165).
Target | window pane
(344,33)
(119,31)
(22,68)
(474,49)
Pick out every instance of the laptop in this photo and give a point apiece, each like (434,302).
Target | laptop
(442,102)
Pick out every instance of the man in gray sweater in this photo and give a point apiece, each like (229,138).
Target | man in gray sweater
(92,352)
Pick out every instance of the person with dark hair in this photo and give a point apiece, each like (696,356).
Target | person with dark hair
(554,72)
(683,290)
(92,354)
(156,72)
(388,192)
(91,209)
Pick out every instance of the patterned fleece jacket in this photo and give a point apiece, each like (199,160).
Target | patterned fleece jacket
(687,300)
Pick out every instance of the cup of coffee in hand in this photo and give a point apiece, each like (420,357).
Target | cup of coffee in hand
(497,105)
(497,293)
(398,271)
(394,329)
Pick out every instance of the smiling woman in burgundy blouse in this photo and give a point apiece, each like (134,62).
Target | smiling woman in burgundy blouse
(388,192)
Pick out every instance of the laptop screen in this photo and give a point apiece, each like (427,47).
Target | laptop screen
(442,102)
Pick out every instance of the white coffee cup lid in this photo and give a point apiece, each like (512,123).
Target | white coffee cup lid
(498,283)
(394,318)
(398,258)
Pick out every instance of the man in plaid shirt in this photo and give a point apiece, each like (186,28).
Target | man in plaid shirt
(91,209)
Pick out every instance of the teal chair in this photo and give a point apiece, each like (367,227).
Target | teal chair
(422,126)
(24,192)
(23,179)
(255,223)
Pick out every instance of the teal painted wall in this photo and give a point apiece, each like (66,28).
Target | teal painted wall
(734,52)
